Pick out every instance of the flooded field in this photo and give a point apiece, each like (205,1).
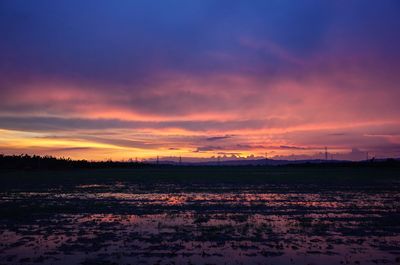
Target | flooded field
(136,217)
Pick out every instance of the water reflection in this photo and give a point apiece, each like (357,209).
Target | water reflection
(102,224)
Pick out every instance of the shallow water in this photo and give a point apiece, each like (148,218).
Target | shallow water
(126,223)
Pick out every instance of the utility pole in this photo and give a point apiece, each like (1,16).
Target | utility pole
(367,156)
(158,160)
(180,160)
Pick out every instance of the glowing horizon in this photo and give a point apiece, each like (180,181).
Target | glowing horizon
(200,79)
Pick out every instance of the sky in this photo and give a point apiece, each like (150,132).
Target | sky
(200,79)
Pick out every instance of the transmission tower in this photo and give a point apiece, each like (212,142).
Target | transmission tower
(326,153)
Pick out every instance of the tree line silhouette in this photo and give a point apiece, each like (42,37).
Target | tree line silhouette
(35,162)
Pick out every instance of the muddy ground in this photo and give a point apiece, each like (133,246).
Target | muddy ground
(201,215)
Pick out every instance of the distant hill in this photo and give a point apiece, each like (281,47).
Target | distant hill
(268,162)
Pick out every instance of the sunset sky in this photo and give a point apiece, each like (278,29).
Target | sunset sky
(200,78)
